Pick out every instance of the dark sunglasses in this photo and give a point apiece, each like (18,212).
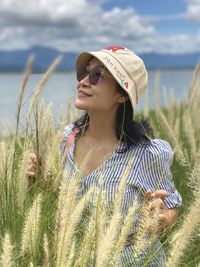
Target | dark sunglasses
(95,75)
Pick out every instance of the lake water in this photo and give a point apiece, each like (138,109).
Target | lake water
(61,88)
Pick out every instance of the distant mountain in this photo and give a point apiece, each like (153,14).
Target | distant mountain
(180,61)
(14,61)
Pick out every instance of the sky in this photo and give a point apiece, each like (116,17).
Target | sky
(171,26)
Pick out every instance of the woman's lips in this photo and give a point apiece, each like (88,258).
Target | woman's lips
(83,94)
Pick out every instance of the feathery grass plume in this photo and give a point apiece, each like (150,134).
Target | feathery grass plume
(184,234)
(156,89)
(8,184)
(45,126)
(72,256)
(68,114)
(54,163)
(77,172)
(177,128)
(153,124)
(189,132)
(3,157)
(23,183)
(46,251)
(194,86)
(101,217)
(68,216)
(6,258)
(42,142)
(31,227)
(51,161)
(165,96)
(87,246)
(7,151)
(147,227)
(66,205)
(194,177)
(173,139)
(6,128)
(26,74)
(171,108)
(72,113)
(94,231)
(194,113)
(112,232)
(41,84)
(146,105)
(124,232)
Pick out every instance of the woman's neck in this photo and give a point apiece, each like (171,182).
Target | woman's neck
(102,126)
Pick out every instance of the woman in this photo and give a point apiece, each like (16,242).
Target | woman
(110,82)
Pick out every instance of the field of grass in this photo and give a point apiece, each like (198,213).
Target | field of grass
(42,223)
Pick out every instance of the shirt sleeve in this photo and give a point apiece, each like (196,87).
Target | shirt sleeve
(155,171)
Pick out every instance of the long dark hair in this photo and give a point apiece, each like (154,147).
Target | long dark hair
(128,130)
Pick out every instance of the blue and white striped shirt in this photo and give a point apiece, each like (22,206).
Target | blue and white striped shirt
(150,170)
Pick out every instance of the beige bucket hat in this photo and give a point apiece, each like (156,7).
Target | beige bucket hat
(125,66)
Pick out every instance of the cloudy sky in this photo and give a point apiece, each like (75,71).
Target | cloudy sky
(171,26)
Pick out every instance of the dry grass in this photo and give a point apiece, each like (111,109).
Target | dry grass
(54,227)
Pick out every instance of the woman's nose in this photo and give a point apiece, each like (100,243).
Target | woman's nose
(84,82)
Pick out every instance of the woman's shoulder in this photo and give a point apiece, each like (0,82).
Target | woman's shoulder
(156,148)
(159,150)
(159,145)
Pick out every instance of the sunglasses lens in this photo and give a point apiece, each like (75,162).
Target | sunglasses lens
(94,76)
(81,74)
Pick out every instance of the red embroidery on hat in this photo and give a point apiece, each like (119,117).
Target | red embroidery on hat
(126,85)
(115,48)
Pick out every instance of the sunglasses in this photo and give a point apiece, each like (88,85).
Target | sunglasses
(94,75)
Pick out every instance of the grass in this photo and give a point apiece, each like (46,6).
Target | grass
(53,227)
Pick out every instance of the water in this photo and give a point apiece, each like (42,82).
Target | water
(61,88)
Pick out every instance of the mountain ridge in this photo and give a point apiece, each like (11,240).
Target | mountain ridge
(14,61)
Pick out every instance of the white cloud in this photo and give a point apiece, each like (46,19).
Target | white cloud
(83,25)
(69,25)
(179,44)
(193,10)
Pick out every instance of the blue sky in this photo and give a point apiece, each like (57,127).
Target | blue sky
(171,26)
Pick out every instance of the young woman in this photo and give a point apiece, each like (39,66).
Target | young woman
(110,82)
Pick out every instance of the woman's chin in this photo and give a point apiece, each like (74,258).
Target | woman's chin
(81,105)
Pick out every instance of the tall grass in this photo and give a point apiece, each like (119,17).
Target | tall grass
(44,221)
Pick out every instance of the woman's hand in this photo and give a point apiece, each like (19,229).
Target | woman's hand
(32,165)
(165,216)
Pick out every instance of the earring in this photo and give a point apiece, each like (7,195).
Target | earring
(122,100)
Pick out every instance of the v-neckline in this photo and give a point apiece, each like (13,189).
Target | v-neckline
(72,150)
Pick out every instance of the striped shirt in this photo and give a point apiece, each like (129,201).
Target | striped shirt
(150,169)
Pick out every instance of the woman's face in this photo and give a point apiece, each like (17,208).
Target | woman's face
(103,96)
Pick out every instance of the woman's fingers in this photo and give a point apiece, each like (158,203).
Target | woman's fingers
(157,203)
(33,157)
(160,194)
(157,194)
(32,174)
(31,168)
(148,194)
(32,164)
